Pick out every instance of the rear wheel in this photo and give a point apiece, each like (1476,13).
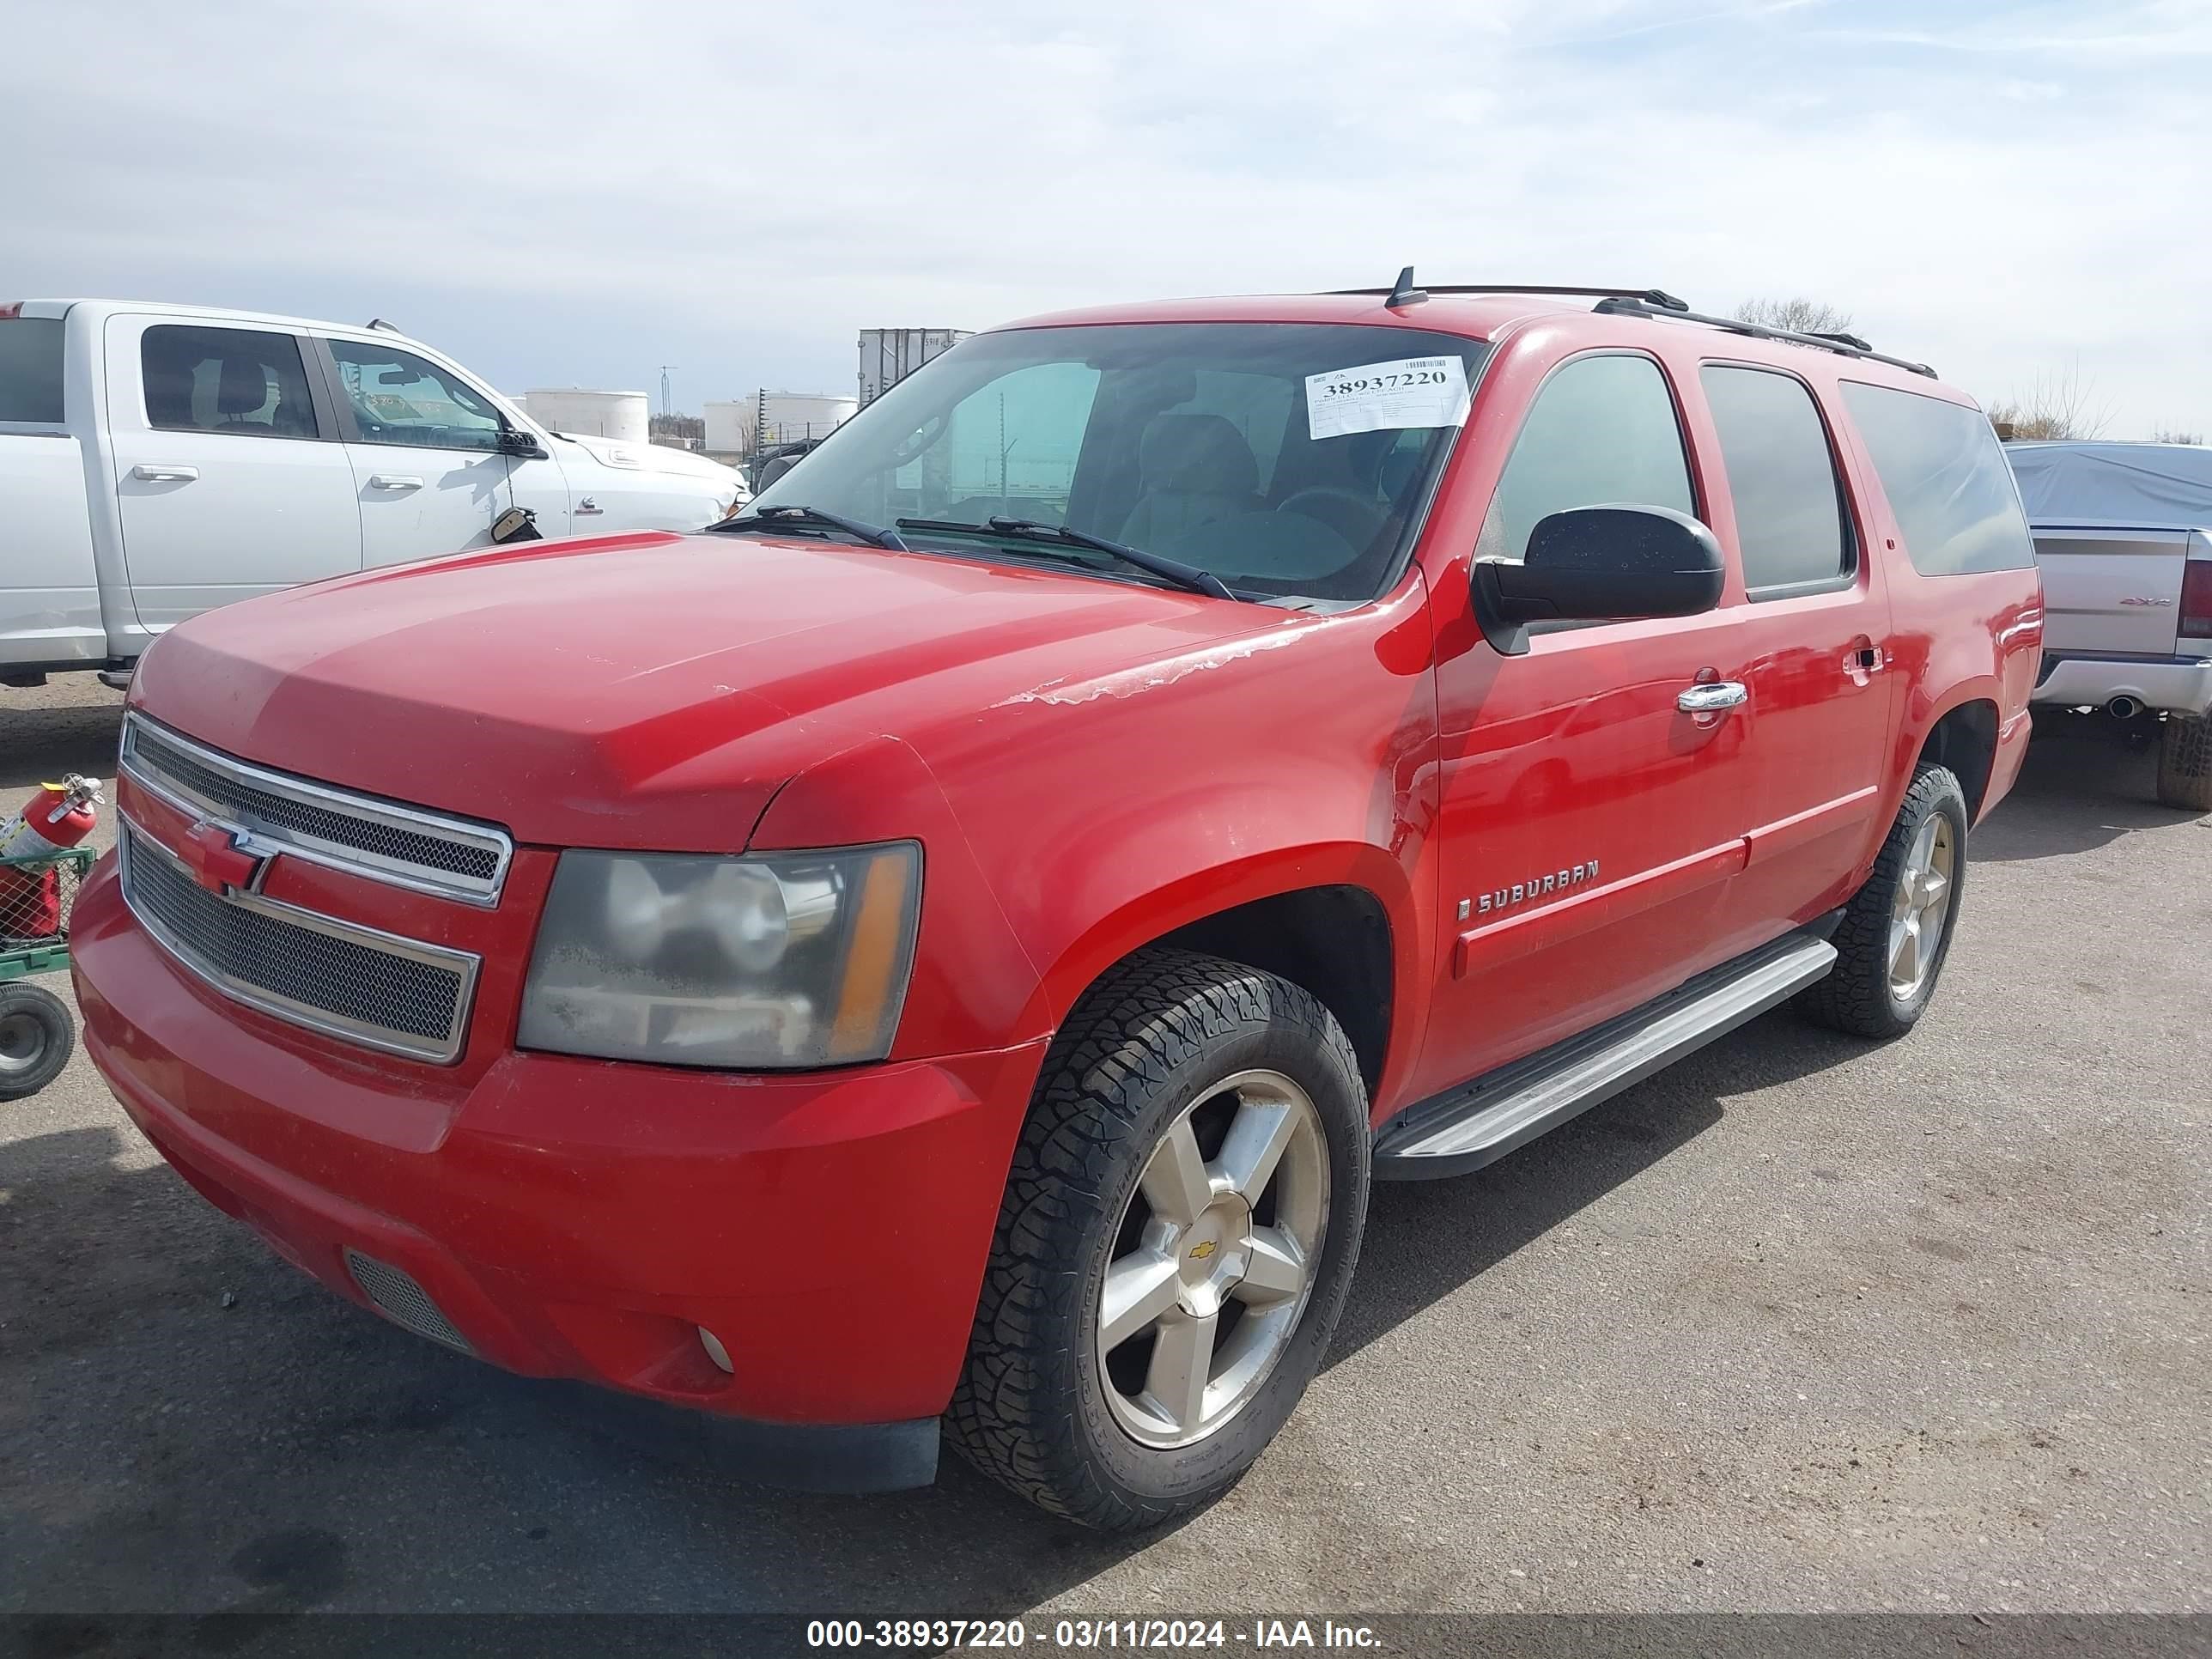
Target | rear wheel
(1896,931)
(36,1038)
(2184,763)
(1178,1233)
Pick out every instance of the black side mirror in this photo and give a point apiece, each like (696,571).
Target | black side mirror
(1599,564)
(513,441)
(517,524)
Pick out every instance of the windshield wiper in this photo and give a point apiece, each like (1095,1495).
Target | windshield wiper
(767,517)
(1186,576)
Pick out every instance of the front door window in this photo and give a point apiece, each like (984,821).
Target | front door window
(398,397)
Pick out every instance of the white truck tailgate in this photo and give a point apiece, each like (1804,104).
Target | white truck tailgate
(2111,592)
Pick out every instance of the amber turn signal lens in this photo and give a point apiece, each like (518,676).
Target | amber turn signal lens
(875,968)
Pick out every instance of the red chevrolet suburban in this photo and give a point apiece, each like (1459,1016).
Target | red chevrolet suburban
(946,953)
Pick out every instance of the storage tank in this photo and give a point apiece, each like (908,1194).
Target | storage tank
(888,355)
(740,425)
(623,414)
(727,423)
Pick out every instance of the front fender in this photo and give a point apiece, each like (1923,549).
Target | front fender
(1152,913)
(1068,825)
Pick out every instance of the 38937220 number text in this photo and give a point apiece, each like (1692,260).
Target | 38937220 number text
(924,1635)
(1065,1635)
(1386,382)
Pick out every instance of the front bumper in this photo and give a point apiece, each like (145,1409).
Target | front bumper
(2180,685)
(562,1217)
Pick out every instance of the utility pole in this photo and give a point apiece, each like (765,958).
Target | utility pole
(667,405)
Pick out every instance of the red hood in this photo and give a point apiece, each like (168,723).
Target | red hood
(648,692)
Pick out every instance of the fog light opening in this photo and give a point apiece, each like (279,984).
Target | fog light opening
(715,1351)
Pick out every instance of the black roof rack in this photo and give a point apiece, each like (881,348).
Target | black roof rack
(1845,345)
(1403,293)
(1639,302)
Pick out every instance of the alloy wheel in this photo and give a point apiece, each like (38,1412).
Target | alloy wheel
(1214,1259)
(1921,906)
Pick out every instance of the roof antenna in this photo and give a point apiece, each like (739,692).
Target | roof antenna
(1404,293)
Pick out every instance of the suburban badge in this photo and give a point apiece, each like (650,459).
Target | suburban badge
(1551,881)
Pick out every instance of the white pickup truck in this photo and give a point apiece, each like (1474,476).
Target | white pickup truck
(157,460)
(2124,538)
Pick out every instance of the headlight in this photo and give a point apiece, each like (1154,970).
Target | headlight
(780,960)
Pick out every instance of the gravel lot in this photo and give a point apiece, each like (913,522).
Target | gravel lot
(1801,1324)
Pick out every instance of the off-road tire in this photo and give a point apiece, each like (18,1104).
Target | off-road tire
(1156,1032)
(2184,763)
(45,1018)
(1856,997)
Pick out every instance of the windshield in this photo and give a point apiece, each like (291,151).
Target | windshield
(1287,460)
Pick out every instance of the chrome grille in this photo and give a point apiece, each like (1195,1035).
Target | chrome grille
(371,987)
(403,1301)
(384,841)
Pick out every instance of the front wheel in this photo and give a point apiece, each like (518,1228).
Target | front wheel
(1178,1233)
(1896,931)
(36,1038)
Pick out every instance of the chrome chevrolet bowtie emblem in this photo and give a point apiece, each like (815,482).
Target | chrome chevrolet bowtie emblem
(217,860)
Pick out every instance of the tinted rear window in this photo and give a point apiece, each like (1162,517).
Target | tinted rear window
(31,369)
(1789,522)
(1946,477)
(245,380)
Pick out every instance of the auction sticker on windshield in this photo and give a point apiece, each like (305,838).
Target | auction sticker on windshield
(1385,396)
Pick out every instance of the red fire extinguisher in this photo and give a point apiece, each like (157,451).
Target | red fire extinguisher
(57,817)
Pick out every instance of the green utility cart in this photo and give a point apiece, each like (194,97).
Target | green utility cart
(36,1032)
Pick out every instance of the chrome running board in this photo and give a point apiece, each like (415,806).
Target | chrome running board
(1480,1121)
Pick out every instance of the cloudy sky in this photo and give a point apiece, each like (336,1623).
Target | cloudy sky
(562,193)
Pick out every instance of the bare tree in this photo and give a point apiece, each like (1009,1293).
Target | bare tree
(1799,315)
(2166,434)
(2055,406)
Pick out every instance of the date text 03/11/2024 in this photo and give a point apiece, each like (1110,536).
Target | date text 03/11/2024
(1087,1635)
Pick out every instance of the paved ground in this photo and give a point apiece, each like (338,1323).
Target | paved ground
(1801,1324)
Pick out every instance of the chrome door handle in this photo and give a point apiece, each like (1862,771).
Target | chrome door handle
(166,474)
(1712,698)
(394,481)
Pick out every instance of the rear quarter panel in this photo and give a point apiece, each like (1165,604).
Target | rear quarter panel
(1961,639)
